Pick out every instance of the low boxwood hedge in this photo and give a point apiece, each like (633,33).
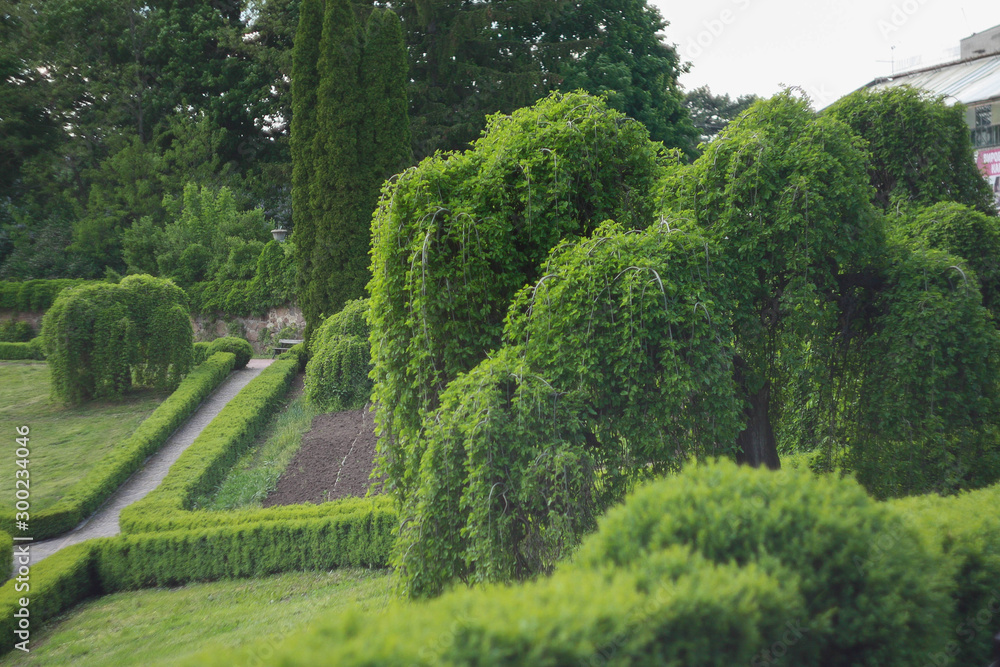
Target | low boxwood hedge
(22,351)
(717,566)
(965,531)
(88,494)
(6,548)
(204,464)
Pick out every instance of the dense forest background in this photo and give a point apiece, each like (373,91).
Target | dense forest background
(121,119)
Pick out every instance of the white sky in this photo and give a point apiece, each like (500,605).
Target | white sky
(826,47)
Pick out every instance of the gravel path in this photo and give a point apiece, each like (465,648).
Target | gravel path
(104,522)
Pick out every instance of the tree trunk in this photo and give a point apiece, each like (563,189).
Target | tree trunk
(756,443)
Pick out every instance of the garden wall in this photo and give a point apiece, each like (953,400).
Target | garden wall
(258,330)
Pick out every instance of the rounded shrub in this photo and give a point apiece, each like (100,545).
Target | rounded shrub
(238,346)
(872,588)
(202,351)
(337,373)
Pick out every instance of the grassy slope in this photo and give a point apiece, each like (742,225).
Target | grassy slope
(65,443)
(257,472)
(160,626)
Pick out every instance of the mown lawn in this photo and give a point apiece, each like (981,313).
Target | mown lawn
(164,626)
(65,443)
(256,473)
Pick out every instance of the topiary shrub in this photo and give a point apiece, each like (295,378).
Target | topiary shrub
(238,346)
(337,375)
(202,351)
(874,592)
(966,531)
(101,337)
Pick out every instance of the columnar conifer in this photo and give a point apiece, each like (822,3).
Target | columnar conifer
(361,136)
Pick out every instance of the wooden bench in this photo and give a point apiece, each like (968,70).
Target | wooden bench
(285,344)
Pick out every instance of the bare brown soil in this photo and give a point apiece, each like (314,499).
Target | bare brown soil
(335,461)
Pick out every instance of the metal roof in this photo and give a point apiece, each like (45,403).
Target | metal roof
(966,81)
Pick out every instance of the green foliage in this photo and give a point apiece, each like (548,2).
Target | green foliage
(19,351)
(786,196)
(455,238)
(202,351)
(206,237)
(967,534)
(272,284)
(16,331)
(82,499)
(710,114)
(958,230)
(920,145)
(361,137)
(56,584)
(873,592)
(337,375)
(100,338)
(618,360)
(238,346)
(927,408)
(34,295)
(572,618)
(625,59)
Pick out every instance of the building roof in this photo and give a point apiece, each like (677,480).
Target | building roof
(966,81)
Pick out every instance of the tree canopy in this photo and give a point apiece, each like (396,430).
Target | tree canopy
(747,305)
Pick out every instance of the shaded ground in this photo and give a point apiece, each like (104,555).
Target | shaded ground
(335,461)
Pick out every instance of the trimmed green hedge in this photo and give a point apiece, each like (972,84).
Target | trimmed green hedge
(238,346)
(6,548)
(35,295)
(22,351)
(965,530)
(88,494)
(205,463)
(359,539)
(56,584)
(106,565)
(716,566)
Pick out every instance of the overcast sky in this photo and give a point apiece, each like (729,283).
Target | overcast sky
(826,47)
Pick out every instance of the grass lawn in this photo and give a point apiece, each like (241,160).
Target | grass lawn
(256,473)
(65,442)
(162,626)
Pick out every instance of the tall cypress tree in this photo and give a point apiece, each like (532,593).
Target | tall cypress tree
(305,85)
(361,137)
(384,76)
(337,183)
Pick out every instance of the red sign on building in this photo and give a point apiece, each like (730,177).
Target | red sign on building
(988,161)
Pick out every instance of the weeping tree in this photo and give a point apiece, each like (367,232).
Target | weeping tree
(455,238)
(103,338)
(786,196)
(920,145)
(615,367)
(764,301)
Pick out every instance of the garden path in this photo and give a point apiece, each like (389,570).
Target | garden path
(104,522)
